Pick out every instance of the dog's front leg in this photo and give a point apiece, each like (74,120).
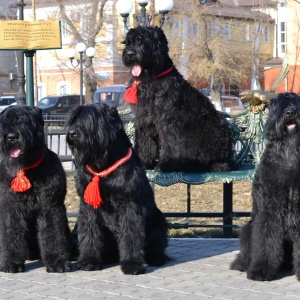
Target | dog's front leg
(55,239)
(13,248)
(266,255)
(146,145)
(90,238)
(131,243)
(296,253)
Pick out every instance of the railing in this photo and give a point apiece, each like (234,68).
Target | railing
(248,143)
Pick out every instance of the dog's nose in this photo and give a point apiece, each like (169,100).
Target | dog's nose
(12,136)
(130,53)
(290,113)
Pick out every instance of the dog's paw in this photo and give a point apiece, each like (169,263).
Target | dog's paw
(89,265)
(261,274)
(11,267)
(131,268)
(59,267)
(238,265)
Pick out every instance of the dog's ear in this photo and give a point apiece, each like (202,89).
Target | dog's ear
(160,36)
(39,114)
(113,112)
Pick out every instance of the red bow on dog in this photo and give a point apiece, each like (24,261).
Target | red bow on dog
(131,96)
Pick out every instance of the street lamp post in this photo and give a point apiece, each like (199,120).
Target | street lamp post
(90,52)
(124,8)
(21,96)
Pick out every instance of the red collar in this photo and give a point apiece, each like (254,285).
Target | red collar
(130,95)
(164,73)
(92,194)
(21,183)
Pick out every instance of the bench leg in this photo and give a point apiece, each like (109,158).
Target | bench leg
(188,199)
(227,209)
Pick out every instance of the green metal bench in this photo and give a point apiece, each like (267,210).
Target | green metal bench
(247,135)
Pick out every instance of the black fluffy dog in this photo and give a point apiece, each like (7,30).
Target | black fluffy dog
(177,128)
(118,218)
(33,221)
(271,239)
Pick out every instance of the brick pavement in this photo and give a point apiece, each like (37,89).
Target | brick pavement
(199,270)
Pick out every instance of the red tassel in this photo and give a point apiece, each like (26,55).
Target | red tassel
(130,95)
(92,194)
(21,183)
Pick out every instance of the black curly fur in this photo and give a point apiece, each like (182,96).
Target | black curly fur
(128,226)
(177,127)
(33,224)
(271,239)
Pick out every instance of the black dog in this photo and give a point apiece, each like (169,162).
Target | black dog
(33,221)
(177,128)
(118,218)
(271,239)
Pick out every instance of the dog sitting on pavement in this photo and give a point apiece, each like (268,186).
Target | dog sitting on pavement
(118,218)
(271,239)
(177,128)
(33,220)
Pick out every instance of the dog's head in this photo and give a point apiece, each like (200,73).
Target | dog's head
(92,131)
(22,137)
(146,52)
(284,116)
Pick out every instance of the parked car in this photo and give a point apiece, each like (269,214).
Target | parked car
(6,101)
(113,96)
(228,103)
(58,104)
(231,104)
(207,92)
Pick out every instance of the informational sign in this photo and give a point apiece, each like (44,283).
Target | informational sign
(103,75)
(30,35)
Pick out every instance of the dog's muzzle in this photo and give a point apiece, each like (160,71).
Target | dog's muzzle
(13,144)
(290,116)
(129,57)
(12,137)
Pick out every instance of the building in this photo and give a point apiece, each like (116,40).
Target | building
(236,21)
(286,46)
(8,70)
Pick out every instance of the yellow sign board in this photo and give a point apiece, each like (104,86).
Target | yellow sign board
(30,35)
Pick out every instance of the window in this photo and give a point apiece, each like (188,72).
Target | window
(64,28)
(225,31)
(266,34)
(248,32)
(41,90)
(282,37)
(175,27)
(63,88)
(86,25)
(193,29)
(210,29)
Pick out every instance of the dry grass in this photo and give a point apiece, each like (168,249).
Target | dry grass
(204,198)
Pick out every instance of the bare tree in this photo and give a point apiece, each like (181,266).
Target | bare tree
(92,16)
(216,52)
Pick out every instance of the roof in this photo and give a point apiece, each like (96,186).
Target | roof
(236,9)
(272,62)
(237,13)
(247,3)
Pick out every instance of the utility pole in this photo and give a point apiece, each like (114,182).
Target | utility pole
(21,96)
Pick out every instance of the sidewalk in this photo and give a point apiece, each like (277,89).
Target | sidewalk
(199,270)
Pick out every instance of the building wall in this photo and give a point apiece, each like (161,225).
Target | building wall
(53,69)
(8,70)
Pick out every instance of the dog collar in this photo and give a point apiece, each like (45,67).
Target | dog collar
(130,95)
(92,194)
(21,182)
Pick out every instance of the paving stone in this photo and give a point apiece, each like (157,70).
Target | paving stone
(199,269)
